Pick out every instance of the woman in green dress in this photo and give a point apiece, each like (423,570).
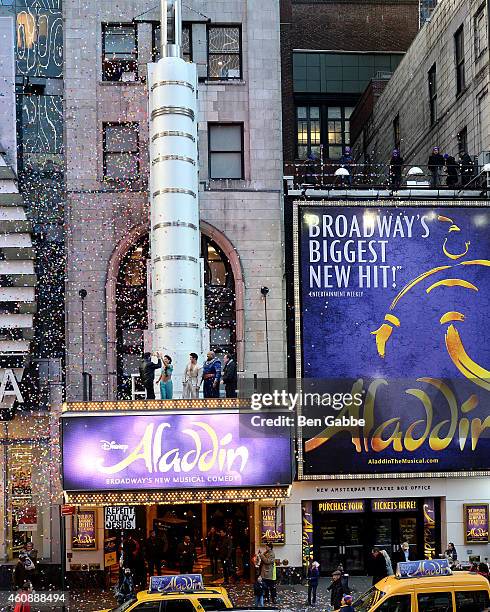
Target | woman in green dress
(166,384)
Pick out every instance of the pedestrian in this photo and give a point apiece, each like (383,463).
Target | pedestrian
(186,555)
(346,604)
(313,576)
(22,597)
(378,566)
(147,373)
(451,552)
(212,548)
(346,162)
(389,567)
(211,375)
(259,589)
(224,552)
(125,590)
(451,170)
(230,377)
(435,165)
(467,168)
(154,553)
(268,570)
(191,378)
(20,573)
(402,555)
(165,380)
(336,590)
(482,569)
(396,165)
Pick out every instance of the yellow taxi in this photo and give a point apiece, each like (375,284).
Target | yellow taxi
(175,596)
(422,592)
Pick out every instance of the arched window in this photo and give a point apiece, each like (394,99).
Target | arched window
(132,306)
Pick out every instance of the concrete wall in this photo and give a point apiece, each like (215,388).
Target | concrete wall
(407,93)
(248,212)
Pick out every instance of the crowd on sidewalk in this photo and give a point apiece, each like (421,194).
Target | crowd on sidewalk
(155,367)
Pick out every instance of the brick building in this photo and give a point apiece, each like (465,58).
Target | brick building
(439,93)
(107,48)
(329,52)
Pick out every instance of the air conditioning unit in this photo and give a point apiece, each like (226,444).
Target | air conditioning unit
(383,74)
(483,158)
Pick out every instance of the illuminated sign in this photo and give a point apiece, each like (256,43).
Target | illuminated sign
(272,525)
(350,505)
(390,303)
(84,530)
(423,569)
(164,450)
(476,523)
(182,583)
(394,505)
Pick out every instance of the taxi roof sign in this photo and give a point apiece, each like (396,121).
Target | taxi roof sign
(423,569)
(180,583)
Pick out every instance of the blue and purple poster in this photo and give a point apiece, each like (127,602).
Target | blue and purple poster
(394,304)
(172,451)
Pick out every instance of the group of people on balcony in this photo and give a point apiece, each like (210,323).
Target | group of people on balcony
(209,376)
(438,164)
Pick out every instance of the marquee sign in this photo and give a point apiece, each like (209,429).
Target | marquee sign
(389,304)
(162,450)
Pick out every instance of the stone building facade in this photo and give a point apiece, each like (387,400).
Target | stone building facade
(107,48)
(439,93)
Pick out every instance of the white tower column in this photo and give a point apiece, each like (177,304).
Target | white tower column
(175,235)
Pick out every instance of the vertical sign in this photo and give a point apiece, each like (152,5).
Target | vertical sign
(429,528)
(84,530)
(307,511)
(272,525)
(475,523)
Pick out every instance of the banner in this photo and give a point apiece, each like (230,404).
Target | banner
(84,530)
(392,304)
(172,451)
(272,528)
(182,583)
(476,523)
(120,517)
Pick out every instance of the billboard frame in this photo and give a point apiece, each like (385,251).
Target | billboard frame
(297,206)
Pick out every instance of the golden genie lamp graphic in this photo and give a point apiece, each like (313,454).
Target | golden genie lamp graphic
(454,345)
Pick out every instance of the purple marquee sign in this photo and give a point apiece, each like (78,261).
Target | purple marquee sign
(172,451)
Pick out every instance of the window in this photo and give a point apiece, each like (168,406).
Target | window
(119,52)
(225,151)
(121,151)
(148,606)
(481,34)
(433,94)
(471,601)
(462,140)
(396,132)
(398,603)
(435,602)
(186,42)
(459,59)
(179,605)
(224,52)
(212,604)
(322,126)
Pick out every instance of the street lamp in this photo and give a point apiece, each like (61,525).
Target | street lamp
(265,292)
(86,377)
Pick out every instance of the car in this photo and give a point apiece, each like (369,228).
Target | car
(422,586)
(183,593)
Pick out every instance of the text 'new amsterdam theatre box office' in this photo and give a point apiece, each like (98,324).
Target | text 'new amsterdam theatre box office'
(175,465)
(390,304)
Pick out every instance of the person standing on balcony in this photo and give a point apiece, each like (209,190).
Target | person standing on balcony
(166,384)
(211,375)
(451,170)
(147,373)
(396,165)
(346,162)
(230,377)
(467,168)
(191,378)
(435,164)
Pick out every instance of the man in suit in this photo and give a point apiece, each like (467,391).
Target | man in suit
(402,555)
(230,377)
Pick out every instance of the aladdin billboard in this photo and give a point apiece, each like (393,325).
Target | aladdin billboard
(168,450)
(391,306)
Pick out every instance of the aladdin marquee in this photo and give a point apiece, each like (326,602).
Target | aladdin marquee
(153,451)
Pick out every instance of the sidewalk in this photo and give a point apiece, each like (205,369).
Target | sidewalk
(289,597)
